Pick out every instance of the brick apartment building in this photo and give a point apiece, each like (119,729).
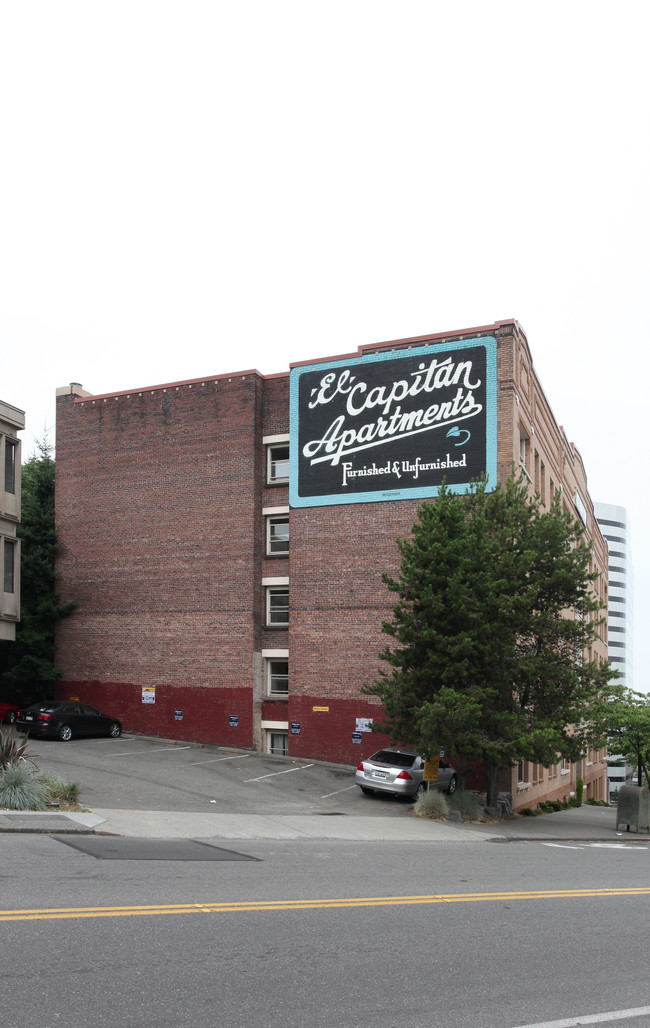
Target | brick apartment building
(224,538)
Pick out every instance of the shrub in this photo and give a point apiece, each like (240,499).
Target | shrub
(529,812)
(431,804)
(580,785)
(467,804)
(551,806)
(20,789)
(597,803)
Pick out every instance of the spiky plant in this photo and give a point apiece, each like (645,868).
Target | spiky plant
(12,749)
(20,789)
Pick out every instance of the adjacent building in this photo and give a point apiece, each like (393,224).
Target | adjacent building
(12,421)
(224,538)
(613,523)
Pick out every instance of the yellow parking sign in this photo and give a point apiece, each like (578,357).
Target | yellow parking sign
(431,768)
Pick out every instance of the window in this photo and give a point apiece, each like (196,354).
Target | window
(277,676)
(10,466)
(277,742)
(277,606)
(277,535)
(524,449)
(9,566)
(277,463)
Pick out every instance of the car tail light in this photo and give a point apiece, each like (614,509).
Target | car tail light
(360,767)
(404,774)
(43,717)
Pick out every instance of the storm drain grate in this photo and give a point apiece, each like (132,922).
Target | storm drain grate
(106,848)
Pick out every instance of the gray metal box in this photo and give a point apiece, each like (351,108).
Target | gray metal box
(633,809)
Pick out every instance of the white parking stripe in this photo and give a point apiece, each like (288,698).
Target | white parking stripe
(274,773)
(605,1018)
(238,756)
(157,749)
(328,794)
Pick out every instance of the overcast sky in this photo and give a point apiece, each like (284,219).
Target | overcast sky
(194,188)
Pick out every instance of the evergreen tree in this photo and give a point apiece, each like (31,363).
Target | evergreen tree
(27,669)
(495,611)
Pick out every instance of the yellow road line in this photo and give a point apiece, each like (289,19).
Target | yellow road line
(257,906)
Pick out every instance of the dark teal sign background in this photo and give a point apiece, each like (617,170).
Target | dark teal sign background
(393,425)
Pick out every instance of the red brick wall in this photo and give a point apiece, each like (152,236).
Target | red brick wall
(158,495)
(205,713)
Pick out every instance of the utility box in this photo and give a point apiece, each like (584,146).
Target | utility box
(633,809)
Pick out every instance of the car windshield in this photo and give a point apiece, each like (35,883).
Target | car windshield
(393,757)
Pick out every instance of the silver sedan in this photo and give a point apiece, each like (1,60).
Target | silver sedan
(401,772)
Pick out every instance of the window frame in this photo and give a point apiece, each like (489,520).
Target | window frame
(277,733)
(269,591)
(9,565)
(272,460)
(10,465)
(271,658)
(272,519)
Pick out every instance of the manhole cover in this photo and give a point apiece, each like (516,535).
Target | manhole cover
(105,848)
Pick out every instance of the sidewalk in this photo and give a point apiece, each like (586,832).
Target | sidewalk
(586,823)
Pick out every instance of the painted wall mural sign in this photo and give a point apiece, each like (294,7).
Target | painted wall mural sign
(392,426)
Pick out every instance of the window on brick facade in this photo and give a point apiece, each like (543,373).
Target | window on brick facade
(277,605)
(277,534)
(524,448)
(277,463)
(277,742)
(277,676)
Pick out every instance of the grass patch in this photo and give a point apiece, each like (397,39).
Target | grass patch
(65,794)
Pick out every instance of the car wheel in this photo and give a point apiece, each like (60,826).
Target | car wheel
(453,781)
(366,791)
(65,733)
(420,791)
(10,717)
(115,730)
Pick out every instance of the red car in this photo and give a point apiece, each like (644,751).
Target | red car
(8,713)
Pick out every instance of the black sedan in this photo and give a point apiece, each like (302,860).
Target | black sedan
(58,719)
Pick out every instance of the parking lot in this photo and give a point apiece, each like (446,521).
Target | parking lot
(138,773)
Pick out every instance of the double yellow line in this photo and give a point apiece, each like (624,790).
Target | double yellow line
(255,906)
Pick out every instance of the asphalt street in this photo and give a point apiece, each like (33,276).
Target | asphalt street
(203,886)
